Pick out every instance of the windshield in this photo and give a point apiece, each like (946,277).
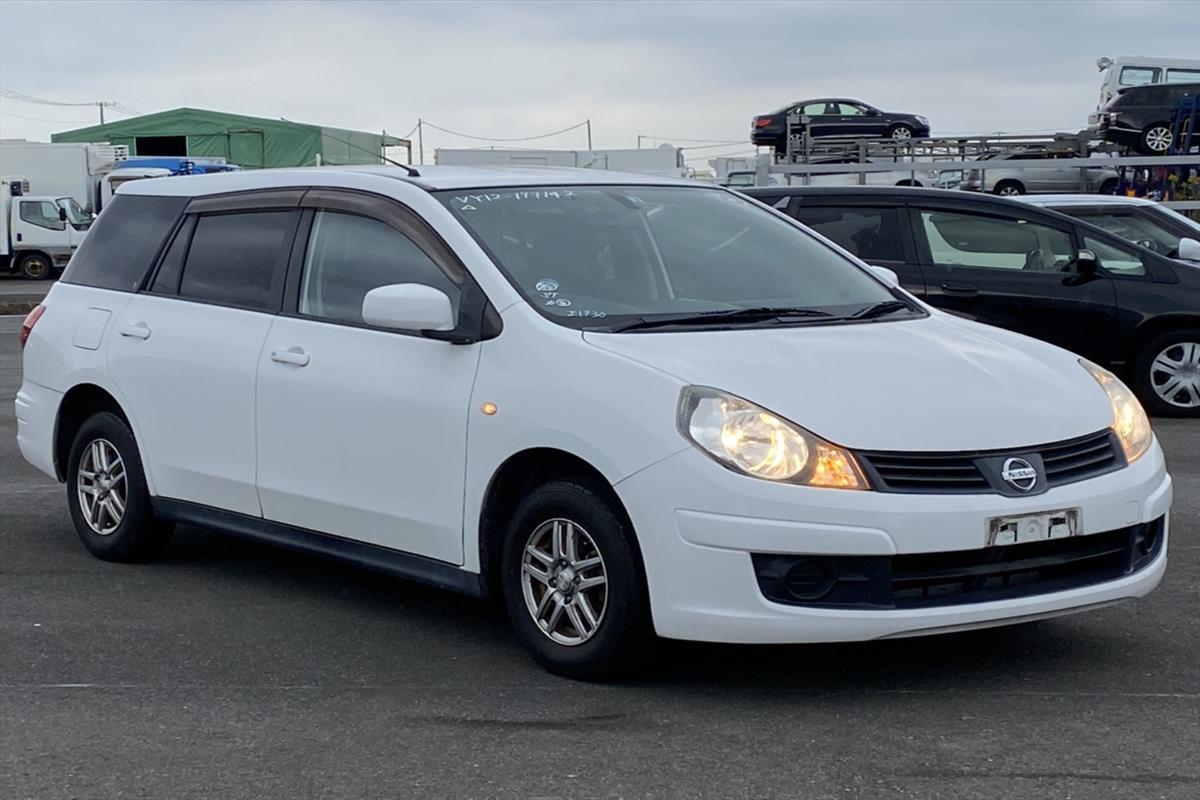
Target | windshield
(1148,233)
(75,213)
(597,256)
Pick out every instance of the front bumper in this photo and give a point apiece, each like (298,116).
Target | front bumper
(699,525)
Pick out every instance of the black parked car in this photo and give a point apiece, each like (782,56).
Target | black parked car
(1142,117)
(836,116)
(1027,269)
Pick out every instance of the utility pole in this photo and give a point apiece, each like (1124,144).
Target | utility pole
(421,139)
(639,141)
(589,127)
(101,104)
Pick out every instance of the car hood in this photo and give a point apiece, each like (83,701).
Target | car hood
(939,383)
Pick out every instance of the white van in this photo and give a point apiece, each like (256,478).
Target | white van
(624,404)
(1127,71)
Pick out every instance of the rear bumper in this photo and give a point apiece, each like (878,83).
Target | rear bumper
(37,411)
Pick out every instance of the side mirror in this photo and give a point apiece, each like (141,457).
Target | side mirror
(1086,262)
(409,307)
(62,214)
(1189,250)
(886,275)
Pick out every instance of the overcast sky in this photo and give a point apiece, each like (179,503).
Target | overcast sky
(696,70)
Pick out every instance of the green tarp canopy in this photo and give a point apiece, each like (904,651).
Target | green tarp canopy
(250,142)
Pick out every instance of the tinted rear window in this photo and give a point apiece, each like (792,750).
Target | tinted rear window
(238,259)
(120,248)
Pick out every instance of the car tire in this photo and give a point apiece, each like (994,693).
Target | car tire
(107,493)
(35,267)
(1156,139)
(1175,354)
(901,131)
(1109,186)
(587,525)
(1009,188)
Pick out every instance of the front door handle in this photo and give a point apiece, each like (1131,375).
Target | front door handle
(953,287)
(292,355)
(138,330)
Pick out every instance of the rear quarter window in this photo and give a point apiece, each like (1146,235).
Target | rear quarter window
(120,248)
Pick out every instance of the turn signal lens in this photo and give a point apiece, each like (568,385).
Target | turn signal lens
(748,439)
(1130,422)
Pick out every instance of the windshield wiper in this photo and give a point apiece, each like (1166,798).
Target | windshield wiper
(727,315)
(881,309)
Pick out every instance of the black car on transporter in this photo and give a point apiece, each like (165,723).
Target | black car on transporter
(1028,269)
(1143,117)
(836,116)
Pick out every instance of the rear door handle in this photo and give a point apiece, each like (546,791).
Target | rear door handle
(960,288)
(138,330)
(293,355)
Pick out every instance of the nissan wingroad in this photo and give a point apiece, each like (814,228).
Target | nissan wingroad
(626,406)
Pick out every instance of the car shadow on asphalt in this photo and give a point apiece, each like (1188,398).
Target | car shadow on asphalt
(1017,658)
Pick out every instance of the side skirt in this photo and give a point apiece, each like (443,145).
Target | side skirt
(371,556)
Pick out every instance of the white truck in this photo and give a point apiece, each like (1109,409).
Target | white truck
(38,233)
(63,169)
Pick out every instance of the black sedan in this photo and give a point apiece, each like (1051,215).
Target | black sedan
(836,116)
(1027,269)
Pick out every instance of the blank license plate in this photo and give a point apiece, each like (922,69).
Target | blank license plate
(1033,527)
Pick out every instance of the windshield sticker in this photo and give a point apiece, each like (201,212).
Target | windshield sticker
(546,285)
(561,302)
(586,312)
(472,202)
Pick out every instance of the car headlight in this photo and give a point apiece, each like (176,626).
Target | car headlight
(751,440)
(1130,422)
(923,121)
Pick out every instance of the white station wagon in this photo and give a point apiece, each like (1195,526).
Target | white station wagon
(628,406)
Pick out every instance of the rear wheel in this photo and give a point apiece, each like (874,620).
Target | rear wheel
(1157,138)
(1109,186)
(35,267)
(1168,374)
(107,494)
(573,582)
(1009,188)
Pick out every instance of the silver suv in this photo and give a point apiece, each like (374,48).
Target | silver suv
(998,179)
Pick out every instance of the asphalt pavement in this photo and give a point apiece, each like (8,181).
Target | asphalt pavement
(233,670)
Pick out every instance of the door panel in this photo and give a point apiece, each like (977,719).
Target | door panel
(366,439)
(1015,273)
(186,372)
(246,149)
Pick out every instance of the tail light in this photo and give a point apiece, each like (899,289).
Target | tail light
(30,320)
(762,122)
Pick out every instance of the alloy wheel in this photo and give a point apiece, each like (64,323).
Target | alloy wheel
(102,487)
(902,133)
(1175,374)
(564,582)
(1008,191)
(1159,139)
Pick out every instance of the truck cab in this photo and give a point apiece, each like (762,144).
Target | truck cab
(38,234)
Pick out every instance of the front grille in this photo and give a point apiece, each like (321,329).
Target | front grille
(978,472)
(923,580)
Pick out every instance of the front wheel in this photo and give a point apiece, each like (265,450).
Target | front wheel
(1168,374)
(573,582)
(35,267)
(107,493)
(901,132)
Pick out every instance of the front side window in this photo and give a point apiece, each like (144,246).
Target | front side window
(349,255)
(42,213)
(238,259)
(970,240)
(872,234)
(1183,76)
(1117,260)
(1135,228)
(1138,76)
(591,255)
(814,109)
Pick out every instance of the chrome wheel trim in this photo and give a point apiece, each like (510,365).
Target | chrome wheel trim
(1009,191)
(1175,375)
(1159,139)
(564,582)
(902,133)
(102,486)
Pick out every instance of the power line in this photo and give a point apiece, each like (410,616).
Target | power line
(27,98)
(42,119)
(493,139)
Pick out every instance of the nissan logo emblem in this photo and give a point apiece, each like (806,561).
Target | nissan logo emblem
(1019,474)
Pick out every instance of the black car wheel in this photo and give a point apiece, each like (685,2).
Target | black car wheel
(1109,186)
(1168,374)
(35,267)
(573,582)
(107,494)
(1157,138)
(901,132)
(1009,188)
